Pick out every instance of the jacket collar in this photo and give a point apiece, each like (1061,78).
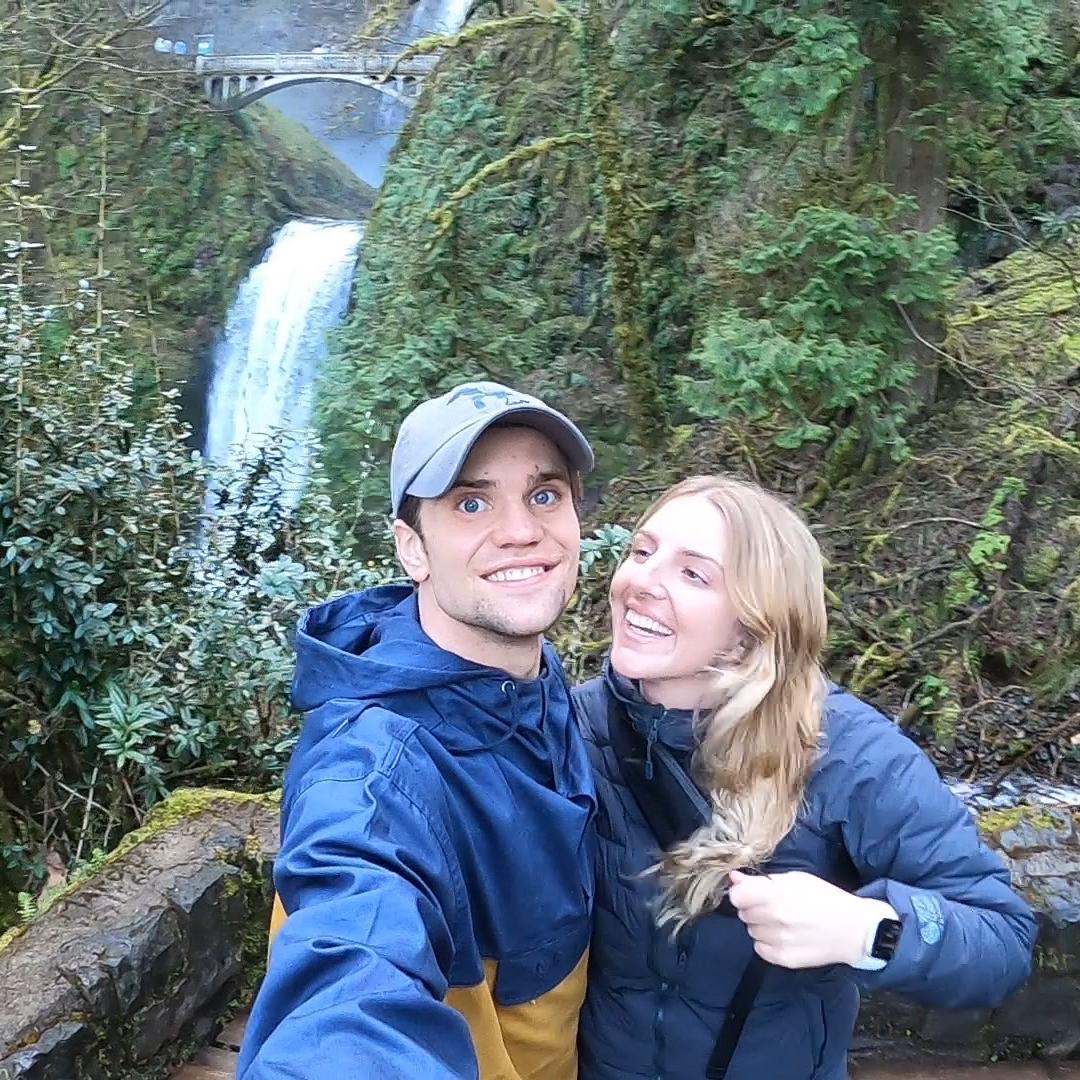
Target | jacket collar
(674,728)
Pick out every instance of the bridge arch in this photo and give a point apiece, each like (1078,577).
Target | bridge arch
(232,82)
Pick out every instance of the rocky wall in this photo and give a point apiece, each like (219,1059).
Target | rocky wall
(127,968)
(1042,847)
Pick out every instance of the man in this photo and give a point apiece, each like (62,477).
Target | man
(436,859)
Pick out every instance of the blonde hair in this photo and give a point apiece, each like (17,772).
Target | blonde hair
(757,747)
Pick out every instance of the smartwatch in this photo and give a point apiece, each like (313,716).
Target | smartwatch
(886,939)
(881,943)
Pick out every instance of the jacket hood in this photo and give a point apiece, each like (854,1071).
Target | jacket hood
(369,648)
(371,644)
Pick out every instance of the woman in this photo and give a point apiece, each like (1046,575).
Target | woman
(815,836)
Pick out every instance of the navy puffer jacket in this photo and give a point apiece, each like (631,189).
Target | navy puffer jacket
(876,820)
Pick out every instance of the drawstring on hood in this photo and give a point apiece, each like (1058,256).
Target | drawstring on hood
(509,688)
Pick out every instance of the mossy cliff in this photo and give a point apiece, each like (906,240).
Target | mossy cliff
(181,806)
(192,198)
(157,943)
(951,533)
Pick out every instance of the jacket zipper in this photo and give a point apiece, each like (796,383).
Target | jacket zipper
(650,741)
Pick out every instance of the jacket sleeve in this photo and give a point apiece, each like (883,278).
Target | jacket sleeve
(358,973)
(967,936)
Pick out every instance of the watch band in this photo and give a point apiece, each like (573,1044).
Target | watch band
(881,941)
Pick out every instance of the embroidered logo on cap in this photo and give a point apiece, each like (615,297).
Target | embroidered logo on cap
(483,399)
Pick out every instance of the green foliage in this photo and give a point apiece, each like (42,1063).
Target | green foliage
(987,47)
(937,701)
(754,370)
(67,157)
(1041,566)
(814,62)
(27,908)
(818,329)
(829,270)
(791,311)
(194,218)
(143,645)
(604,549)
(984,560)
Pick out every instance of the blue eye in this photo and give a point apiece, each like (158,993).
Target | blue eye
(472,504)
(547,497)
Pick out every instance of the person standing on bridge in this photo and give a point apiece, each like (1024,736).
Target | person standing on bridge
(437,820)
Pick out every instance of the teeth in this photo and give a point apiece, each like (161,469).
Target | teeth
(650,626)
(516,573)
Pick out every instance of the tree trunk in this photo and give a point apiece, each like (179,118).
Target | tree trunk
(915,163)
(633,351)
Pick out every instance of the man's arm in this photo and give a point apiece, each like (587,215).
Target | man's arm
(358,973)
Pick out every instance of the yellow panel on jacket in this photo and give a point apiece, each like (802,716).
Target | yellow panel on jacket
(534,1041)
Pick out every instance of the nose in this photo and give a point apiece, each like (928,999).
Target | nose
(517,526)
(645,578)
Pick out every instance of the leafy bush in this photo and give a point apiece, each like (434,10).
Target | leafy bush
(144,644)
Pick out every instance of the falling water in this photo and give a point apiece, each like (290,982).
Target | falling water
(437,17)
(427,17)
(265,366)
(274,344)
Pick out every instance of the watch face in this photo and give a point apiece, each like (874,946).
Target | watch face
(886,939)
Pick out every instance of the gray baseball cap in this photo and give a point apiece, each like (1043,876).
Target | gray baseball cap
(437,436)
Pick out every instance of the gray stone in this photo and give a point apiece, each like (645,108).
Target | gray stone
(146,955)
(1041,846)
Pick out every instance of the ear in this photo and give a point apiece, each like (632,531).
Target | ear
(410,551)
(739,650)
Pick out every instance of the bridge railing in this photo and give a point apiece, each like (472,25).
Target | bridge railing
(314,64)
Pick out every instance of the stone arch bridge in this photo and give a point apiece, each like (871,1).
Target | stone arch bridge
(231,82)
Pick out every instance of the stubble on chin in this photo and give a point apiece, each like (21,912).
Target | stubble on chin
(502,624)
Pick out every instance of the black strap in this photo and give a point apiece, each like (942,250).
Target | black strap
(674,807)
(742,1002)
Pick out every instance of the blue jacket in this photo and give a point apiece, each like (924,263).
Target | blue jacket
(436,834)
(876,820)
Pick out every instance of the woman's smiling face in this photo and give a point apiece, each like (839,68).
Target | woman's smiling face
(672,618)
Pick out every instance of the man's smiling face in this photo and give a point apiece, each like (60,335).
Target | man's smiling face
(497,555)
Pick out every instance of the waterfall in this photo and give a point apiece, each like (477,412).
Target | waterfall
(267,361)
(436,17)
(427,17)
(265,364)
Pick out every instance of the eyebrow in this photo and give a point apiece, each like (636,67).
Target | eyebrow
(544,477)
(689,553)
(547,475)
(466,482)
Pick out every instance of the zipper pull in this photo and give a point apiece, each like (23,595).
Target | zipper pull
(649,740)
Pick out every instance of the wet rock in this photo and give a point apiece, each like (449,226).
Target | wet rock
(147,953)
(1059,197)
(1041,844)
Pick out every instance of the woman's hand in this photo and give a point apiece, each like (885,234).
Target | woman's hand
(798,920)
